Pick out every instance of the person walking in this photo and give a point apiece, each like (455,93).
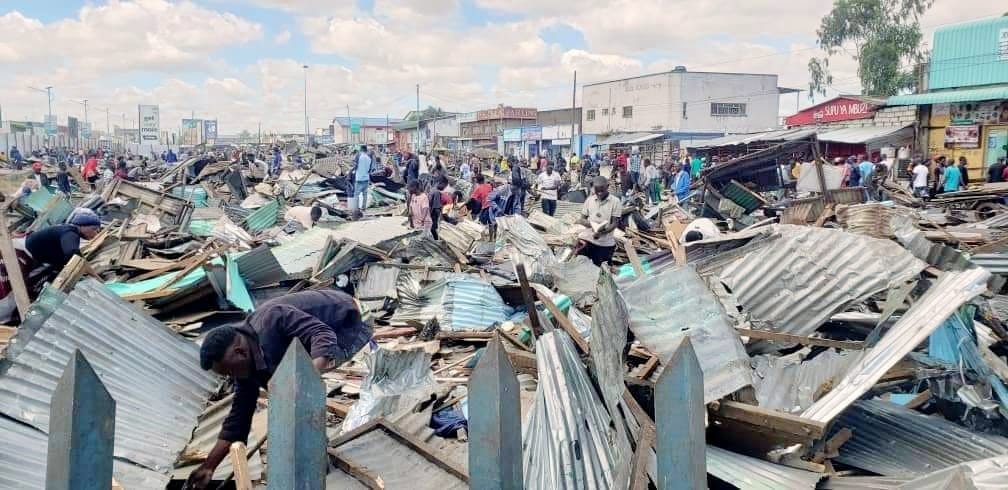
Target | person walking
(652,182)
(952,179)
(635,171)
(920,179)
(520,183)
(362,179)
(995,173)
(549,185)
(419,207)
(683,182)
(964,171)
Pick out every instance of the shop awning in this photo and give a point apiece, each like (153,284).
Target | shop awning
(742,139)
(857,136)
(946,96)
(627,139)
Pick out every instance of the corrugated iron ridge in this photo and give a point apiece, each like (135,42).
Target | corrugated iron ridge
(205,436)
(892,440)
(398,465)
(153,374)
(676,303)
(469,304)
(995,263)
(944,297)
(260,267)
(749,473)
(787,385)
(811,273)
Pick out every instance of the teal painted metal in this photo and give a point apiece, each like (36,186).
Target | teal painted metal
(237,292)
(263,217)
(495,445)
(947,96)
(967,55)
(81,430)
(742,196)
(195,194)
(679,421)
(297,424)
(201,227)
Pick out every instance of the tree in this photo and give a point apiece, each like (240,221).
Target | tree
(245,136)
(886,36)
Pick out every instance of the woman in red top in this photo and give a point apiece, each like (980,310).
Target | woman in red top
(479,200)
(90,170)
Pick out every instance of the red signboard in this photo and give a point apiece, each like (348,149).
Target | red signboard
(507,113)
(838,109)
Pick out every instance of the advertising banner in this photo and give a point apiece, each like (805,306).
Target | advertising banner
(85,130)
(50,125)
(962,136)
(150,122)
(210,129)
(73,127)
(838,109)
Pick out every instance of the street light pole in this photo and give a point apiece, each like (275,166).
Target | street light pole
(48,92)
(306,134)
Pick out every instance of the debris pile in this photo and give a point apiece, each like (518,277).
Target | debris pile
(843,344)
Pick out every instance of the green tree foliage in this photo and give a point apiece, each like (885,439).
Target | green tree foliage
(887,44)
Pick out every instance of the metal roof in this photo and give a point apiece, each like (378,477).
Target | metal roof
(626,139)
(947,96)
(301,253)
(152,373)
(380,122)
(748,473)
(790,383)
(397,464)
(941,300)
(397,380)
(995,263)
(741,139)
(610,324)
(205,436)
(867,134)
(892,440)
(667,307)
(793,284)
(967,54)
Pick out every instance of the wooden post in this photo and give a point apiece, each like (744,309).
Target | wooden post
(495,445)
(529,297)
(297,451)
(81,430)
(679,421)
(239,461)
(9,256)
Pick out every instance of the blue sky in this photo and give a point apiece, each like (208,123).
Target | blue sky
(240,60)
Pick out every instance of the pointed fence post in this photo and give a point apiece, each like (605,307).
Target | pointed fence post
(81,430)
(297,440)
(495,446)
(679,421)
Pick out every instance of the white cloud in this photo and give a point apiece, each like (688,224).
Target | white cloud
(282,38)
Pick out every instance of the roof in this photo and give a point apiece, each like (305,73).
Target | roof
(946,96)
(741,139)
(626,139)
(866,134)
(680,71)
(967,54)
(367,121)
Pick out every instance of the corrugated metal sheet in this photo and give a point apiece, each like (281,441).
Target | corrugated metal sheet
(676,303)
(788,384)
(985,474)
(568,208)
(263,217)
(205,436)
(811,273)
(398,465)
(23,462)
(947,96)
(936,254)
(740,195)
(892,440)
(863,483)
(610,325)
(259,267)
(867,134)
(471,304)
(870,219)
(301,253)
(397,380)
(236,291)
(994,263)
(944,297)
(153,374)
(570,441)
(755,474)
(967,54)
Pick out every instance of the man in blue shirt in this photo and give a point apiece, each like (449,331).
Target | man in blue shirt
(635,170)
(362,177)
(865,168)
(952,178)
(275,167)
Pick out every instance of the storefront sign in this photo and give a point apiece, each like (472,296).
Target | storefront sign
(210,129)
(838,109)
(149,123)
(532,134)
(962,136)
(507,113)
(513,134)
(967,113)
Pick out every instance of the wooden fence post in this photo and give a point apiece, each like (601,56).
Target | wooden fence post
(81,430)
(679,421)
(297,438)
(495,446)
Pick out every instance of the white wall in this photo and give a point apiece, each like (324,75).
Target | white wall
(757,92)
(657,103)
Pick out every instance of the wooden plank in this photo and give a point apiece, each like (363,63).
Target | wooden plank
(564,322)
(495,447)
(679,422)
(533,314)
(198,262)
(81,430)
(771,419)
(74,174)
(785,338)
(337,408)
(359,473)
(14,274)
(638,469)
(635,262)
(297,450)
(648,367)
(239,461)
(678,249)
(149,295)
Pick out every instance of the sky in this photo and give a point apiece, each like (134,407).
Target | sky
(241,61)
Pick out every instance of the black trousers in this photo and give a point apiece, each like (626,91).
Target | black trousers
(549,206)
(435,216)
(597,253)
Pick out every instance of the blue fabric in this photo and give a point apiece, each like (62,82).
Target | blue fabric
(682,184)
(363,172)
(447,422)
(953,178)
(865,169)
(635,163)
(360,193)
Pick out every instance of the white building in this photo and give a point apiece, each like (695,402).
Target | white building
(364,130)
(682,101)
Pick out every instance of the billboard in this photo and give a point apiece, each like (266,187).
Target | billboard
(50,125)
(210,129)
(838,109)
(85,130)
(150,122)
(962,137)
(507,113)
(73,127)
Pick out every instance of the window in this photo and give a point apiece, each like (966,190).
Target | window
(605,112)
(627,111)
(591,115)
(727,109)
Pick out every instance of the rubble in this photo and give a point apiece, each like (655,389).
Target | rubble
(842,343)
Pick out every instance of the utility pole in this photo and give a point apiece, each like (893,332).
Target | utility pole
(108,125)
(48,92)
(574,115)
(260,132)
(306,135)
(418,117)
(349,132)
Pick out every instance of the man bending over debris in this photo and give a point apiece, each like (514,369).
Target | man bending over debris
(327,323)
(601,213)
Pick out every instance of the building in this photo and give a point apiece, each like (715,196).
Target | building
(363,130)
(964,101)
(854,124)
(485,129)
(682,101)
